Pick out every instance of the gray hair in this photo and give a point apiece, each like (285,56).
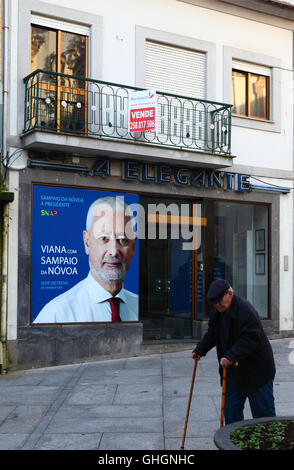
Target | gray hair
(116,203)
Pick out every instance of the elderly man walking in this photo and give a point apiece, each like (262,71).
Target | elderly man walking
(235,329)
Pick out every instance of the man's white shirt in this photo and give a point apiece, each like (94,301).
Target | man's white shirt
(87,301)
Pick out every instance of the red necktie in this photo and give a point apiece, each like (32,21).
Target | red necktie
(114,304)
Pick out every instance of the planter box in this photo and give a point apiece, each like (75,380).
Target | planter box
(222,437)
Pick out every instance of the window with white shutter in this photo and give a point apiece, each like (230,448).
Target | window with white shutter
(175,70)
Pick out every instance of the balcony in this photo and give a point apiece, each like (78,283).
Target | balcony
(90,117)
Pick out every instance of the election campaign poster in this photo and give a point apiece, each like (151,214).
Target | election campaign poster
(75,268)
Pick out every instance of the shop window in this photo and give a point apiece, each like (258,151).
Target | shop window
(62,99)
(250,93)
(173,281)
(235,247)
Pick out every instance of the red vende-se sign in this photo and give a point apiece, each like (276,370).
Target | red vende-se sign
(142,111)
(143,119)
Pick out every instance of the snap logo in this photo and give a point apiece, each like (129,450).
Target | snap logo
(48,213)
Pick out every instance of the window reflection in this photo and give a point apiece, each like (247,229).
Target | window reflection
(239,87)
(43,49)
(61,99)
(235,247)
(73,54)
(250,94)
(258,102)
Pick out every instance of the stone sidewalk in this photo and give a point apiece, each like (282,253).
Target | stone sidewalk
(124,404)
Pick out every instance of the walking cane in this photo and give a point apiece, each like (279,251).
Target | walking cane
(189,404)
(224,381)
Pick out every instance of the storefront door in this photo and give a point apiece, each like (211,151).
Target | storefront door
(166,281)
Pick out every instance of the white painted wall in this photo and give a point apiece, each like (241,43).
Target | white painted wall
(286,249)
(13,237)
(251,147)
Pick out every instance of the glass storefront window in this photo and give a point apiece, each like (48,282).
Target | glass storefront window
(174,282)
(235,247)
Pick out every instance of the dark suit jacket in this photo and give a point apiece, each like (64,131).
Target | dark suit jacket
(247,345)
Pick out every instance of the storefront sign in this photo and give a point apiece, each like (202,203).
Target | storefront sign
(142,111)
(164,174)
(133,170)
(211,179)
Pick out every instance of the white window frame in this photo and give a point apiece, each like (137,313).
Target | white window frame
(209,48)
(253,69)
(273,124)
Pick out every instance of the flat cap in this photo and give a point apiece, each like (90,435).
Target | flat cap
(217,290)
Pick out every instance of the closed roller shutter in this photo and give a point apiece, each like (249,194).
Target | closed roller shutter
(175,70)
(58,24)
(252,68)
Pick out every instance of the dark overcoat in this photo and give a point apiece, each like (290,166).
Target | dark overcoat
(247,345)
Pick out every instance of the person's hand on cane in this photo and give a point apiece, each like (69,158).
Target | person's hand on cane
(196,356)
(224,362)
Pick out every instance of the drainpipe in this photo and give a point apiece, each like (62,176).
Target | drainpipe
(3,325)
(3,313)
(5,76)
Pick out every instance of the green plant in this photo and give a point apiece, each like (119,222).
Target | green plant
(276,434)
(248,437)
(273,435)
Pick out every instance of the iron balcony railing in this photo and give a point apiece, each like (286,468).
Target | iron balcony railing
(69,104)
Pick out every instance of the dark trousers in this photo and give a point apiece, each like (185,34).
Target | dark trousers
(262,402)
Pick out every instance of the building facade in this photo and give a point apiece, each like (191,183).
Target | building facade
(210,181)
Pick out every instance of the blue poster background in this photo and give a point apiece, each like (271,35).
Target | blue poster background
(59,260)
